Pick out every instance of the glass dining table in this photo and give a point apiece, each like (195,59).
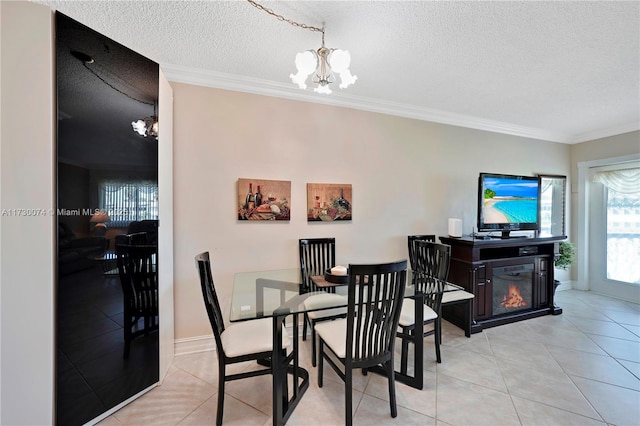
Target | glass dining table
(277,294)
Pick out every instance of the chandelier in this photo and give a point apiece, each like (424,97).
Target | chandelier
(323,63)
(147,126)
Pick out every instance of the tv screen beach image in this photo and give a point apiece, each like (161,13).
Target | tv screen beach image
(510,200)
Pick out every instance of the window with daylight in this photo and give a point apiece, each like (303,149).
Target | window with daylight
(128,201)
(552,205)
(623,223)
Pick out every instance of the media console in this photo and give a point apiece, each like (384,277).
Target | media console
(512,279)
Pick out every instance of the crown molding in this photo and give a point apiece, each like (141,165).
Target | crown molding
(200,77)
(603,133)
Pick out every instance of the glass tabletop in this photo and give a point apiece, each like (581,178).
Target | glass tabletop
(269,293)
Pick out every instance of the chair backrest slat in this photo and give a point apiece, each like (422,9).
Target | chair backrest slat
(138,277)
(374,301)
(210,298)
(432,258)
(432,271)
(316,256)
(411,239)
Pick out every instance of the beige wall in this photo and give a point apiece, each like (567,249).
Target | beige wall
(408,177)
(610,147)
(26,242)
(589,154)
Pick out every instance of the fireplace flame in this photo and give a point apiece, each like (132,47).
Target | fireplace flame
(513,299)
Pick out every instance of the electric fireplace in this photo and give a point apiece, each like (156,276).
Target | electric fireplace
(512,288)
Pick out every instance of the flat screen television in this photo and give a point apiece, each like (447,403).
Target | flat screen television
(508,203)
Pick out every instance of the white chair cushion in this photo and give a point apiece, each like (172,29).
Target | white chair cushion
(318,301)
(456,296)
(249,337)
(334,334)
(408,311)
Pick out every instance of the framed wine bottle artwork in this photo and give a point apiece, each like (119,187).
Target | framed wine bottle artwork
(261,199)
(329,202)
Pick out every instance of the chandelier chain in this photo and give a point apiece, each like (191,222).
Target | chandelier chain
(289,21)
(116,89)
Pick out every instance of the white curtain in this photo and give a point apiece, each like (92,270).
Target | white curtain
(625,181)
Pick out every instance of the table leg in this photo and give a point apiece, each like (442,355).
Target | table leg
(278,372)
(417,380)
(281,366)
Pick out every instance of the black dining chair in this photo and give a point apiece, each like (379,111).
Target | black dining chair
(366,337)
(429,276)
(316,256)
(239,342)
(139,282)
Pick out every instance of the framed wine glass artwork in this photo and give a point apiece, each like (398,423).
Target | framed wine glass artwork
(261,199)
(329,202)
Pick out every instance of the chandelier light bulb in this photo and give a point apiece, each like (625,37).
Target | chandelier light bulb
(146,127)
(139,127)
(340,60)
(323,88)
(306,63)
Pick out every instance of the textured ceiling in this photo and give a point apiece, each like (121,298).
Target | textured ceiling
(560,71)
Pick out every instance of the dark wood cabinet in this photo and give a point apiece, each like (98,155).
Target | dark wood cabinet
(500,272)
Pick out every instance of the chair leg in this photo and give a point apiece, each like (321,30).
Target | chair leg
(348,396)
(320,362)
(304,327)
(313,344)
(221,380)
(127,337)
(437,339)
(404,354)
(392,388)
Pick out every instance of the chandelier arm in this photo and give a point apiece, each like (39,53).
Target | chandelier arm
(289,21)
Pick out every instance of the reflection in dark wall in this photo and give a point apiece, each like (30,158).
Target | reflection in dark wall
(102,166)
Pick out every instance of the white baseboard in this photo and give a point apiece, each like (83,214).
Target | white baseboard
(565,285)
(192,345)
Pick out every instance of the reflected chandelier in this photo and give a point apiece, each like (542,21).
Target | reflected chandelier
(147,126)
(323,63)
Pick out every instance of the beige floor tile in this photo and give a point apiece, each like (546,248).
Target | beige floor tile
(570,339)
(604,328)
(596,367)
(534,414)
(461,403)
(235,413)
(254,391)
(474,368)
(515,331)
(632,367)
(635,329)
(203,365)
(421,401)
(541,325)
(616,405)
(476,343)
(179,395)
(547,385)
(618,348)
(323,406)
(373,411)
(534,352)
